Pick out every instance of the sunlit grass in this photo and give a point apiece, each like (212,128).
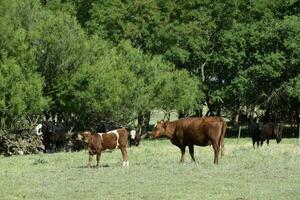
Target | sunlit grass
(271,172)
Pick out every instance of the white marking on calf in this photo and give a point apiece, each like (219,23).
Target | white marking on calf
(101,136)
(132,134)
(38,129)
(125,163)
(115,132)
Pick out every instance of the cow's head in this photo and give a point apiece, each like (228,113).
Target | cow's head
(159,129)
(132,134)
(85,136)
(38,129)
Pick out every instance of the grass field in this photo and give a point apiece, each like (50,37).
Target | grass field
(271,172)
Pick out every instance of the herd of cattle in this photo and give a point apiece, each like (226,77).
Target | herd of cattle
(55,138)
(199,131)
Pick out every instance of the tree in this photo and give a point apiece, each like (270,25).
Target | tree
(259,54)
(21,86)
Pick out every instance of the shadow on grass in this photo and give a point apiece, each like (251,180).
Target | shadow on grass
(101,166)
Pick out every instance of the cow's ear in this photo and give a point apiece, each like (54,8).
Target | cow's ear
(162,121)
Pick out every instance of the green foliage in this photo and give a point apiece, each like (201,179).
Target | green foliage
(66,6)
(20,93)
(104,89)
(82,60)
(293,87)
(261,57)
(21,86)
(176,90)
(123,83)
(61,49)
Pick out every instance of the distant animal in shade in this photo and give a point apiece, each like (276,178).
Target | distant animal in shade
(134,138)
(261,132)
(53,135)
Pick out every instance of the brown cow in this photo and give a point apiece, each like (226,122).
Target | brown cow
(98,142)
(193,131)
(270,131)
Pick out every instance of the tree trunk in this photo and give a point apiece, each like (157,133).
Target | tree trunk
(219,112)
(235,116)
(239,134)
(210,111)
(182,114)
(167,116)
(202,71)
(143,122)
(198,112)
(299,132)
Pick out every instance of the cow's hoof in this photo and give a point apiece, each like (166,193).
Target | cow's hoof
(125,163)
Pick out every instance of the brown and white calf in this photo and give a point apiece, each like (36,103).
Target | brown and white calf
(98,142)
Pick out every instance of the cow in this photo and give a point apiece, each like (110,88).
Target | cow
(74,143)
(255,133)
(98,142)
(134,138)
(270,131)
(261,132)
(53,135)
(193,131)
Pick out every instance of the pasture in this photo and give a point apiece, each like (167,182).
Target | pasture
(271,172)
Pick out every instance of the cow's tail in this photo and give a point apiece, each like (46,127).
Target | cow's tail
(222,135)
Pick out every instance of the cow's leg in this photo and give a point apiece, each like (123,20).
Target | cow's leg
(51,148)
(268,142)
(62,145)
(130,142)
(216,150)
(90,160)
(98,158)
(222,146)
(57,146)
(191,150)
(46,147)
(257,143)
(182,153)
(125,156)
(253,142)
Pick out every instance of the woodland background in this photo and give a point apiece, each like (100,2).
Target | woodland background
(83,61)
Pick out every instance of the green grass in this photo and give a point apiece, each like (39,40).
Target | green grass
(271,172)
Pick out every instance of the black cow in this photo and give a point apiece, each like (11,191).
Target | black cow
(261,132)
(134,138)
(75,143)
(54,135)
(255,133)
